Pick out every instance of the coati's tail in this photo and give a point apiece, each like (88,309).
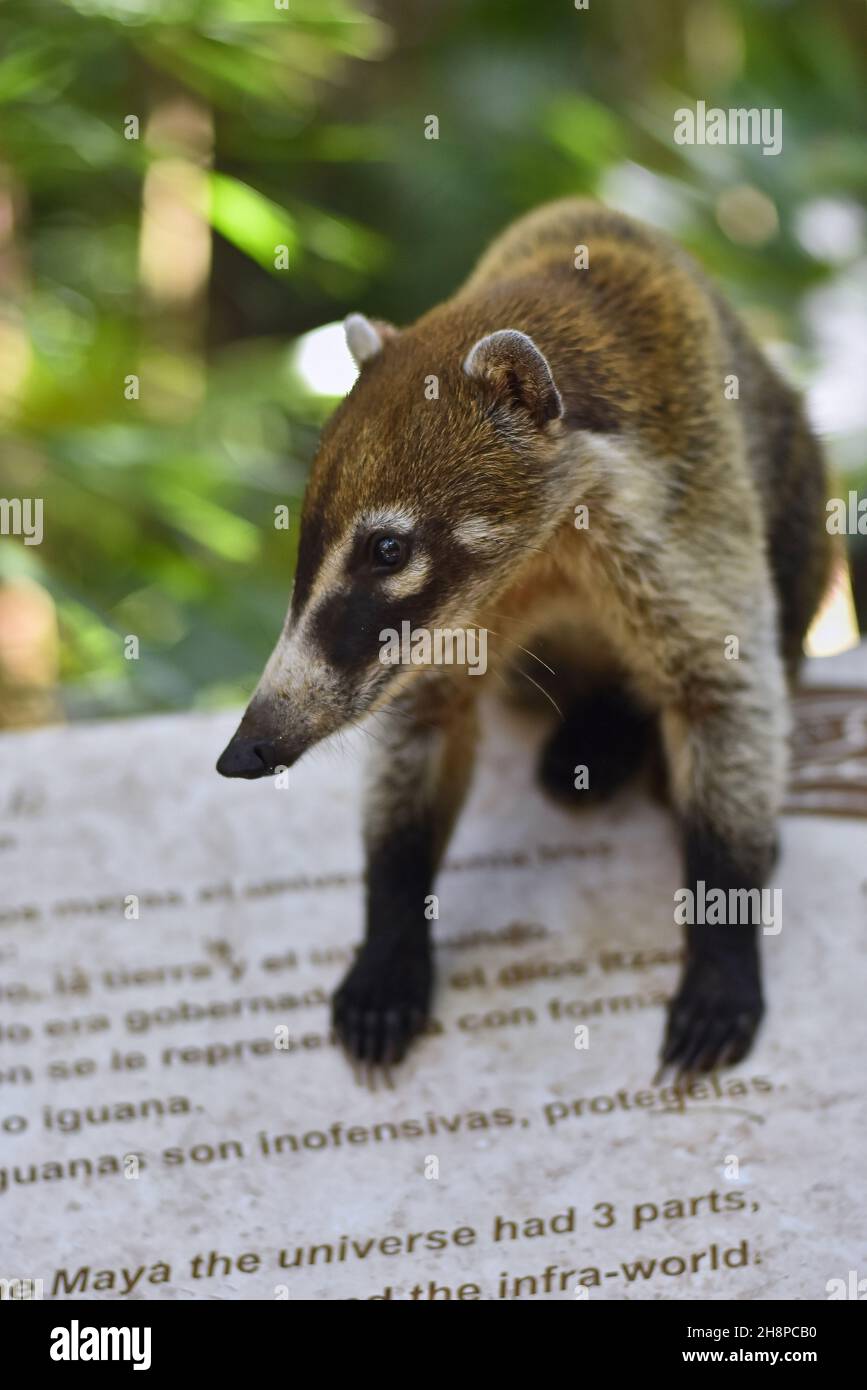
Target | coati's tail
(800,547)
(603,742)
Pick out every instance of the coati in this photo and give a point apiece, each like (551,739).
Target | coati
(603,387)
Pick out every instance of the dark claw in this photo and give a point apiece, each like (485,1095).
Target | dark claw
(710,1026)
(694,1047)
(371,1044)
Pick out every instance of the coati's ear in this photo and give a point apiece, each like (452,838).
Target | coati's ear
(511,363)
(365,337)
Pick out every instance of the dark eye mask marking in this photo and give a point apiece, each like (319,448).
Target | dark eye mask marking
(345,627)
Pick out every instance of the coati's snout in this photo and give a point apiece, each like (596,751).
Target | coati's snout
(246,757)
(261,744)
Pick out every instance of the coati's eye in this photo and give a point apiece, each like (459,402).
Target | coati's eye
(389,552)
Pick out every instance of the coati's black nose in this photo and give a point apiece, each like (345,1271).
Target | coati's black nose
(248,757)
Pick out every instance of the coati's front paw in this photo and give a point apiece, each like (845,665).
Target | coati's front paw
(383,1002)
(714,1017)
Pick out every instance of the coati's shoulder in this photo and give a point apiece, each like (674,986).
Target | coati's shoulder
(633,335)
(636,290)
(548,237)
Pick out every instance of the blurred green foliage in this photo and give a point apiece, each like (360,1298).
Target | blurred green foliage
(303,128)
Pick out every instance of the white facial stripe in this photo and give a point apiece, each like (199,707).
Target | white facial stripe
(389,519)
(477,534)
(297,677)
(410,579)
(294,668)
(333,565)
(329,572)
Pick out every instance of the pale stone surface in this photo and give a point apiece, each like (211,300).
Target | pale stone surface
(250,893)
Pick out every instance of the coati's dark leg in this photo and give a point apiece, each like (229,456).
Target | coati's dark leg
(604,730)
(417,782)
(726,761)
(714,1016)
